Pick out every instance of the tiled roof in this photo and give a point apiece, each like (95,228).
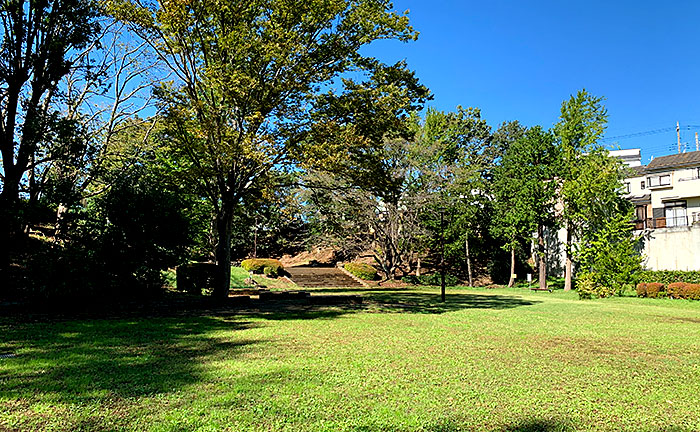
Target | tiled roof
(673,161)
(637,171)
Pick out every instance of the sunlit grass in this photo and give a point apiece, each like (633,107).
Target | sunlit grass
(485,360)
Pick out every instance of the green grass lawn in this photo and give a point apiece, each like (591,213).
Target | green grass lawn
(507,360)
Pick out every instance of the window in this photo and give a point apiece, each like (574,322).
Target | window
(662,180)
(642,184)
(627,187)
(675,213)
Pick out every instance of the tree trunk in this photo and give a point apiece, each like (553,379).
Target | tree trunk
(60,215)
(10,230)
(511,280)
(469,261)
(418,268)
(542,268)
(223,251)
(567,270)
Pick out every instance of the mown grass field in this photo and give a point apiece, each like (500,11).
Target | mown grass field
(507,360)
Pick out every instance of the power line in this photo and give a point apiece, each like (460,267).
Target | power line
(649,132)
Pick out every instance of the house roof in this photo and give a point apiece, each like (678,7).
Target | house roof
(636,171)
(674,161)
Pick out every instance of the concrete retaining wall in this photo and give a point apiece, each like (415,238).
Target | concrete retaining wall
(676,248)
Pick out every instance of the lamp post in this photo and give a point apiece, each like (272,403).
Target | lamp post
(442,255)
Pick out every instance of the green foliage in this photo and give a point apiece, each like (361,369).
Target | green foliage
(610,261)
(668,276)
(169,278)
(269,267)
(265,86)
(271,271)
(362,270)
(524,186)
(40,43)
(432,279)
(196,278)
(590,286)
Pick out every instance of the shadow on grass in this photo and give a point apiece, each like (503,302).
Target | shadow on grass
(96,360)
(540,425)
(383,301)
(428,303)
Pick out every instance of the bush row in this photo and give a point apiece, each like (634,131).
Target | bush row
(668,276)
(677,290)
(431,279)
(268,267)
(361,270)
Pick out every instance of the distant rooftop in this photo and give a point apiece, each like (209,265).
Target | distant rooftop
(674,161)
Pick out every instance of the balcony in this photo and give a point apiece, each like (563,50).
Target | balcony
(664,222)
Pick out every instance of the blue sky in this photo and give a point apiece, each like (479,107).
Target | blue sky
(520,60)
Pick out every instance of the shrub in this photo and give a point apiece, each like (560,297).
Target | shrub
(271,271)
(692,292)
(590,284)
(362,271)
(641,289)
(610,255)
(269,267)
(676,290)
(654,289)
(195,277)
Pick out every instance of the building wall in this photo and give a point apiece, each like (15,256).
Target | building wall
(684,184)
(676,248)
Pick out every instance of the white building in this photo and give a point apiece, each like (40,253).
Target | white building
(666,194)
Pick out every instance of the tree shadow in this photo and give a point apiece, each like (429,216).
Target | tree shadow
(428,303)
(99,360)
(540,425)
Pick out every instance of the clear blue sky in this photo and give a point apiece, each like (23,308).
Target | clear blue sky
(518,60)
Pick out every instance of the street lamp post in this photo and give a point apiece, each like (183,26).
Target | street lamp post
(442,255)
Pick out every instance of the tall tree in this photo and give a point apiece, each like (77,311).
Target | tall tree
(38,40)
(525,190)
(508,222)
(457,157)
(247,77)
(380,214)
(581,125)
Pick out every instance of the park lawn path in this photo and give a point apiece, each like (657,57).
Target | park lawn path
(485,360)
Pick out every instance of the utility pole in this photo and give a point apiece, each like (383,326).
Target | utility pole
(678,133)
(697,144)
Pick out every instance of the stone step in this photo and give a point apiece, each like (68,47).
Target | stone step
(317,277)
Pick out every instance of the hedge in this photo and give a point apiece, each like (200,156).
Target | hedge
(361,270)
(269,267)
(682,290)
(675,284)
(676,289)
(669,276)
(195,277)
